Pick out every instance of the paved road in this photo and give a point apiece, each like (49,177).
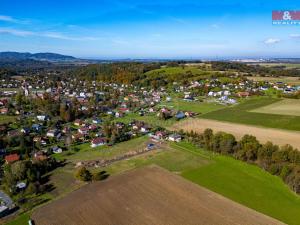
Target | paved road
(5,198)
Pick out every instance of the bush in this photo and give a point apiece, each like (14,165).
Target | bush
(102,175)
(83,174)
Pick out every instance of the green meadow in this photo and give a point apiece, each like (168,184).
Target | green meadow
(241,114)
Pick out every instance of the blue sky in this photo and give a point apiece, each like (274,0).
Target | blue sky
(148,29)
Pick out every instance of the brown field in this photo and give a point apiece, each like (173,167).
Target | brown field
(277,136)
(284,107)
(148,195)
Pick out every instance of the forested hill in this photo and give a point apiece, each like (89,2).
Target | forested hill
(162,74)
(37,56)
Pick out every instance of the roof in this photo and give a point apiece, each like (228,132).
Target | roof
(12,158)
(98,140)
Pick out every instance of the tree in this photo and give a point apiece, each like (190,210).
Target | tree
(250,146)
(19,169)
(208,135)
(83,174)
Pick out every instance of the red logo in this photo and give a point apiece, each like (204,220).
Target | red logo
(286,15)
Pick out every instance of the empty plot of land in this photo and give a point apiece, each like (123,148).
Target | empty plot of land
(149,195)
(279,137)
(284,107)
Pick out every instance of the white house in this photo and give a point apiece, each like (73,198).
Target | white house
(174,137)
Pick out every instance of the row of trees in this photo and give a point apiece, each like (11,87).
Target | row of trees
(256,69)
(281,161)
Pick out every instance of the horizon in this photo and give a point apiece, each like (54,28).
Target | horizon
(141,30)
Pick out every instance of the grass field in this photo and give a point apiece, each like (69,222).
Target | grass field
(86,152)
(198,73)
(286,65)
(248,185)
(20,220)
(284,107)
(150,119)
(198,107)
(242,114)
(6,119)
(177,70)
(287,80)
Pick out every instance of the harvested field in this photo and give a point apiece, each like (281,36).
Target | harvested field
(284,107)
(149,195)
(277,136)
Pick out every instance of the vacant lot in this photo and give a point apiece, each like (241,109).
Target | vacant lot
(241,113)
(149,195)
(279,137)
(283,107)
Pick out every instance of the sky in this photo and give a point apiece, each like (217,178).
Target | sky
(189,29)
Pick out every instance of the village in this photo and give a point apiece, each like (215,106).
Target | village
(53,115)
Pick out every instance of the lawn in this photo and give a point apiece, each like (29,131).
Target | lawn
(86,152)
(198,107)
(242,114)
(151,119)
(6,119)
(20,220)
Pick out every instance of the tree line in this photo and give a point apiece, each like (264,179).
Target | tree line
(281,161)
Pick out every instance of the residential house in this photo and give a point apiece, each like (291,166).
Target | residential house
(179,115)
(4,110)
(12,158)
(175,137)
(56,150)
(78,122)
(53,133)
(98,142)
(42,117)
(83,130)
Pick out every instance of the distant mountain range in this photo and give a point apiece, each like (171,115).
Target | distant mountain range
(52,57)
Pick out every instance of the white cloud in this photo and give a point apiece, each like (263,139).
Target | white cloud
(7,18)
(54,35)
(295,35)
(215,26)
(22,33)
(271,41)
(12,20)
